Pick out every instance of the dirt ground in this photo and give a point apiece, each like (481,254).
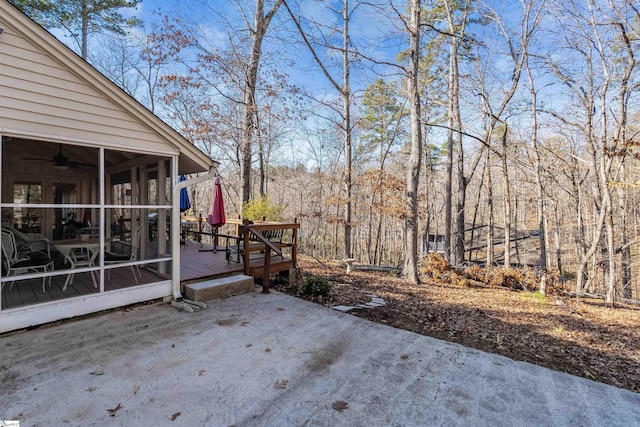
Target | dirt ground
(584,337)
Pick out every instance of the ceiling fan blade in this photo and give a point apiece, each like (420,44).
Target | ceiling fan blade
(78,164)
(62,161)
(35,159)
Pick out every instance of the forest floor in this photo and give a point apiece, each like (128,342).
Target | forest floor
(584,337)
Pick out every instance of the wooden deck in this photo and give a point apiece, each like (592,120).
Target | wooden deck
(195,266)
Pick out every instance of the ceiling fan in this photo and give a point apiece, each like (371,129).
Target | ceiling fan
(61,161)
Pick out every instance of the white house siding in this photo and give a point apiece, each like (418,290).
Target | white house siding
(41,97)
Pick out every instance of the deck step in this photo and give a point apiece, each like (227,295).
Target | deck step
(219,288)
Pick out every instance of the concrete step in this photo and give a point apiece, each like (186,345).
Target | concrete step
(223,287)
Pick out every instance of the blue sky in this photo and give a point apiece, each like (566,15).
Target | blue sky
(378,36)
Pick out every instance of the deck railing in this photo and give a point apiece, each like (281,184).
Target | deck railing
(254,237)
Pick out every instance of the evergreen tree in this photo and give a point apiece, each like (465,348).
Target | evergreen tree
(79,18)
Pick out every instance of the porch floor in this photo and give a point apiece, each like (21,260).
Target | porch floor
(194,266)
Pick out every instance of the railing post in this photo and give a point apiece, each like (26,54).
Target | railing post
(246,254)
(294,240)
(266,276)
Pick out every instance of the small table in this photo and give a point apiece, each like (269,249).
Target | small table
(79,253)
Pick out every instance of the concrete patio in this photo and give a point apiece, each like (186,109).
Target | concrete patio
(274,360)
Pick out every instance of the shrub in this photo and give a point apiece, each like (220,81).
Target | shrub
(315,287)
(255,210)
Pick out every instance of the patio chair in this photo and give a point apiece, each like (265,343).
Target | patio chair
(15,263)
(127,252)
(30,242)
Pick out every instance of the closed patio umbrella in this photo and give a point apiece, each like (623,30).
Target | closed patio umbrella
(185,203)
(216,214)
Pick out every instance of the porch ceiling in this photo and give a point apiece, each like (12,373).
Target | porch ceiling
(34,151)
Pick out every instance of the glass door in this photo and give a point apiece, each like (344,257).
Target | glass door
(65,220)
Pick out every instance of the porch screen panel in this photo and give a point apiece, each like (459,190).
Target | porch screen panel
(51,206)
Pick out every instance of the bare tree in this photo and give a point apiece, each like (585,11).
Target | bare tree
(532,13)
(344,89)
(457,30)
(258,30)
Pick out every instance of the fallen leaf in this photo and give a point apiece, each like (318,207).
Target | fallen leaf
(135,389)
(113,411)
(97,372)
(280,308)
(174,416)
(249,345)
(340,405)
(404,356)
(226,322)
(281,385)
(90,389)
(244,323)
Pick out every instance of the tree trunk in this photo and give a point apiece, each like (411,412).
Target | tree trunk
(335,234)
(474,222)
(506,192)
(626,250)
(261,157)
(345,91)
(491,226)
(558,246)
(84,30)
(249,92)
(611,282)
(346,99)
(410,270)
(581,241)
(370,234)
(448,246)
(454,119)
(537,167)
(377,256)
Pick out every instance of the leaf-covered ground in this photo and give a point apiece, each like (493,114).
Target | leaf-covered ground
(587,337)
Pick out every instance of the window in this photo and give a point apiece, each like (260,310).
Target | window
(27,220)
